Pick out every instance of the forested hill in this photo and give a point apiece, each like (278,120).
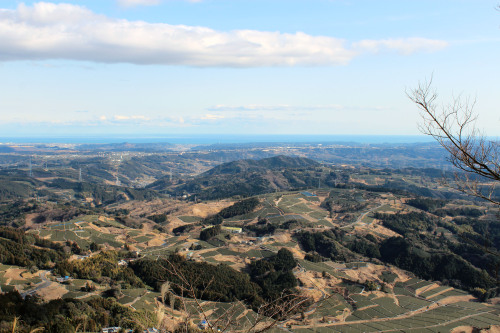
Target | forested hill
(248,177)
(271,163)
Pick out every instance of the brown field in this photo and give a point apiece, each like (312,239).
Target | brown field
(376,227)
(53,291)
(470,329)
(372,272)
(16,274)
(205,209)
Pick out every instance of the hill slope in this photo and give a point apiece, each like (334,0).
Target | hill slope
(263,165)
(248,177)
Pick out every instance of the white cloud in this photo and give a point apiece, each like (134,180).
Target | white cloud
(120,117)
(212,117)
(282,107)
(133,3)
(405,46)
(290,108)
(64,31)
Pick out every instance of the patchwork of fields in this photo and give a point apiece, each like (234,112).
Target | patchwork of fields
(342,303)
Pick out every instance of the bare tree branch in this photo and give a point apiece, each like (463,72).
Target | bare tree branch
(470,151)
(268,315)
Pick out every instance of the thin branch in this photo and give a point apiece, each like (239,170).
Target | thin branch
(454,129)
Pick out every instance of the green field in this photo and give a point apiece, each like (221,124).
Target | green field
(189,219)
(143,239)
(441,319)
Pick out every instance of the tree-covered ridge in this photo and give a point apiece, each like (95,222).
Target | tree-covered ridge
(246,178)
(102,194)
(274,275)
(417,255)
(336,245)
(437,207)
(268,278)
(210,282)
(271,163)
(98,268)
(407,223)
(426,204)
(446,267)
(16,186)
(28,250)
(239,208)
(58,316)
(210,232)
(13,213)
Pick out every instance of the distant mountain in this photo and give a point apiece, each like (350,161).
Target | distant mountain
(247,178)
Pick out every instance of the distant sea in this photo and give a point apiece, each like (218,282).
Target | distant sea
(200,139)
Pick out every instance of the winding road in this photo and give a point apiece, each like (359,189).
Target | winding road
(44,284)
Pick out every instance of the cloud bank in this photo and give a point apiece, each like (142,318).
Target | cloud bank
(267,108)
(64,31)
(289,108)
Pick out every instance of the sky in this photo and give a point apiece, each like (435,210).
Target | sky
(241,67)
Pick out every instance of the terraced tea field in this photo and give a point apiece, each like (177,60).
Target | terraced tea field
(343,302)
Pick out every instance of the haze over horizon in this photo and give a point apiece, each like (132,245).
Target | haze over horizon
(161,68)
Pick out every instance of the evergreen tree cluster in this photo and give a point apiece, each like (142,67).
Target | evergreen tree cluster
(218,283)
(27,250)
(274,274)
(210,232)
(240,208)
(66,315)
(98,267)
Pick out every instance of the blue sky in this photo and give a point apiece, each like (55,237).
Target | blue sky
(153,67)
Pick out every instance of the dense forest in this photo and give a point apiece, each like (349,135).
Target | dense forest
(67,315)
(28,250)
(100,268)
(209,282)
(266,281)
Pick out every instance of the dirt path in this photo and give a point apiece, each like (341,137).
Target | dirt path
(136,299)
(44,284)
(278,208)
(439,293)
(277,202)
(358,220)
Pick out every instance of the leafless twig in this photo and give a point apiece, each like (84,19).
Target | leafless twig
(469,150)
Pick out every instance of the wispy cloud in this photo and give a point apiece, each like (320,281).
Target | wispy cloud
(134,3)
(64,31)
(103,122)
(139,120)
(121,117)
(403,45)
(285,107)
(212,117)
